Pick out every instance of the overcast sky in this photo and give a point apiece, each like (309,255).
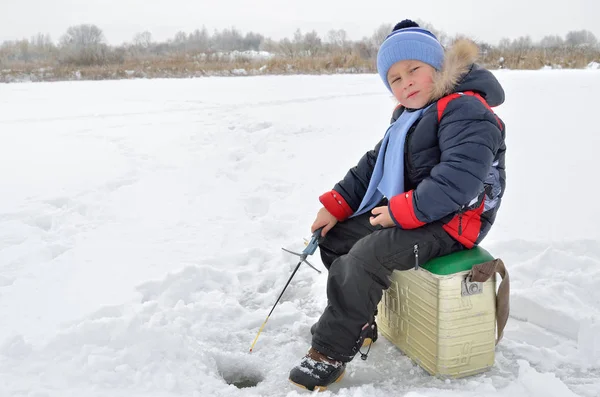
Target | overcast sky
(121,19)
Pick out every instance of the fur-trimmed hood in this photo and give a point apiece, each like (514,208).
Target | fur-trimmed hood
(460,73)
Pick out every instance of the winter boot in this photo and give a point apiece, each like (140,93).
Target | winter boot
(371,338)
(316,371)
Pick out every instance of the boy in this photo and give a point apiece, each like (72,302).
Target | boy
(431,187)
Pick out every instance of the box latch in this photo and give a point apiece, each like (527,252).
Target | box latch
(469,287)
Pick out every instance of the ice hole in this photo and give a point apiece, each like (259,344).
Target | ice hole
(241,380)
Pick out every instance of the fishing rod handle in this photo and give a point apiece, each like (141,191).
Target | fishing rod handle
(313,243)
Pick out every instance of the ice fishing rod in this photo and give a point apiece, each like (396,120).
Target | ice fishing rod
(311,247)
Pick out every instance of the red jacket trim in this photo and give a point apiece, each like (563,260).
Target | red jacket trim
(403,211)
(465,227)
(443,103)
(336,205)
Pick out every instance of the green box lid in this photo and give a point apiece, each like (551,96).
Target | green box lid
(458,261)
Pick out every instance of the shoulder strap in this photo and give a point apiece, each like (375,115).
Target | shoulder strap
(442,103)
(482,273)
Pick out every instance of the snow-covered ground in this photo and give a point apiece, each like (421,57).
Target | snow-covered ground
(141,226)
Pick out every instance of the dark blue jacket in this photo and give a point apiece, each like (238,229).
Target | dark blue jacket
(454,169)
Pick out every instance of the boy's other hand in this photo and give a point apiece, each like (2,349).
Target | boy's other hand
(381,216)
(324,218)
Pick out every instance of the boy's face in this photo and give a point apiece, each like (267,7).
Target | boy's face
(411,82)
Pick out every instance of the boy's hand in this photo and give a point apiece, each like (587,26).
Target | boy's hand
(381,217)
(324,218)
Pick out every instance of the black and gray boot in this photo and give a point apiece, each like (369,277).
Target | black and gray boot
(316,371)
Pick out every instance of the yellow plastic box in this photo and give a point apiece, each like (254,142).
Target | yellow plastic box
(439,319)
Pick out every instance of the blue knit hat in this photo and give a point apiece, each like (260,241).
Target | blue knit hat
(410,42)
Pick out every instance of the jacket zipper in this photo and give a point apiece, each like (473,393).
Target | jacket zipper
(460,216)
(416,251)
(407,158)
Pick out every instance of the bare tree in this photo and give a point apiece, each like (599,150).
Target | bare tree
(180,41)
(504,43)
(308,44)
(42,42)
(228,40)
(252,41)
(180,37)
(288,48)
(521,49)
(83,36)
(298,38)
(270,45)
(143,39)
(200,40)
(312,43)
(41,47)
(337,38)
(442,37)
(581,38)
(552,42)
(365,49)
(523,43)
(380,34)
(24,50)
(83,45)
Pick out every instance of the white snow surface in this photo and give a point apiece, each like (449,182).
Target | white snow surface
(141,226)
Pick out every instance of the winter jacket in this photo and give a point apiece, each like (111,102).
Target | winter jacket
(454,168)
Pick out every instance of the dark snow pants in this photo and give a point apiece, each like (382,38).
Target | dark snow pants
(360,259)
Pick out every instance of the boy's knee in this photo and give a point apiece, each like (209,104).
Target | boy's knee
(327,248)
(327,256)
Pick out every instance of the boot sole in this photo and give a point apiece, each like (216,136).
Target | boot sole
(318,388)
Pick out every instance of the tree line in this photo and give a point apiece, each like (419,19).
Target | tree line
(85,46)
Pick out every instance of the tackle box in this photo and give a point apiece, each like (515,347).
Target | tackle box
(441,320)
